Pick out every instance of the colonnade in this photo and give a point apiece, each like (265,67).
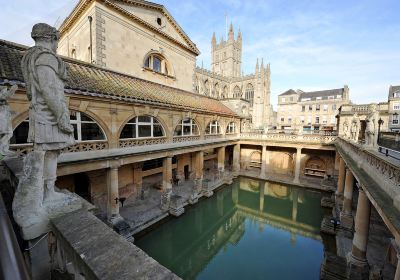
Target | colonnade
(361,223)
(197,166)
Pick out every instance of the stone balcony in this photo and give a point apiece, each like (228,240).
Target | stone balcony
(376,169)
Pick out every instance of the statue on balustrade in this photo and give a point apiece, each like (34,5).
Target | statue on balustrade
(371,131)
(346,132)
(355,127)
(50,131)
(6,131)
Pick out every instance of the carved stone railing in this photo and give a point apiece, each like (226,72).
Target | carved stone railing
(214,136)
(295,138)
(87,147)
(126,143)
(385,173)
(179,139)
(79,147)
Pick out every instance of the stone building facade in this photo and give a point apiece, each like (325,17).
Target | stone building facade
(310,111)
(394,108)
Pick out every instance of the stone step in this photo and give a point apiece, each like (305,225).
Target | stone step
(333,268)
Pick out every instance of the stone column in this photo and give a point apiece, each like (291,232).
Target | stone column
(358,253)
(221,159)
(346,216)
(166,185)
(295,198)
(342,170)
(236,158)
(199,164)
(297,167)
(263,161)
(235,193)
(112,194)
(262,194)
(137,179)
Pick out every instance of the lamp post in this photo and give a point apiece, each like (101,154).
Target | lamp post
(380,122)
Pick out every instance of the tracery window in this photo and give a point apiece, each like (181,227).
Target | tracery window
(213,128)
(236,92)
(206,88)
(231,128)
(142,127)
(85,129)
(249,94)
(157,63)
(224,92)
(187,127)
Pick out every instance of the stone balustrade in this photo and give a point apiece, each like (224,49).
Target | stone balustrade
(282,137)
(85,146)
(179,139)
(126,143)
(386,174)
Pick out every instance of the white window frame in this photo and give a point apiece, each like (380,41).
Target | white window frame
(231,128)
(151,123)
(214,125)
(191,124)
(79,123)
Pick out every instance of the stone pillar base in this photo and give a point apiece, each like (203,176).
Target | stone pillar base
(208,193)
(194,198)
(176,206)
(353,261)
(357,268)
(346,220)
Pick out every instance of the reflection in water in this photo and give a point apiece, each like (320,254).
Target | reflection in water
(249,230)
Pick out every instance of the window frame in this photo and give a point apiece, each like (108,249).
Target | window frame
(213,124)
(231,128)
(182,125)
(135,121)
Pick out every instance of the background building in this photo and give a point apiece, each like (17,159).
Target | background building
(394,108)
(310,111)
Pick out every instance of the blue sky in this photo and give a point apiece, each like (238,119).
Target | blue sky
(311,45)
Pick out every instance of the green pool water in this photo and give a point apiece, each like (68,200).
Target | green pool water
(248,230)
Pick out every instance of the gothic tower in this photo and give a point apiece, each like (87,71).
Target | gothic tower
(226,56)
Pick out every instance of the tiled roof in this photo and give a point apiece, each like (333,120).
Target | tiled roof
(87,79)
(288,92)
(322,93)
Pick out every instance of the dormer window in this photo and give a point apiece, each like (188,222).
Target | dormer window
(157,63)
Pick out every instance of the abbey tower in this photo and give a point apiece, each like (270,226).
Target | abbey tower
(248,95)
(226,56)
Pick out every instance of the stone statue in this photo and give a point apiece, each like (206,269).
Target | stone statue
(346,133)
(354,129)
(36,200)
(6,131)
(371,130)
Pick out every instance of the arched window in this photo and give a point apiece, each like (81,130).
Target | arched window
(142,127)
(231,128)
(85,129)
(187,127)
(157,63)
(213,128)
(249,94)
(206,88)
(236,92)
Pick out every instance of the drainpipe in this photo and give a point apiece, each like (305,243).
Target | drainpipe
(91,44)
